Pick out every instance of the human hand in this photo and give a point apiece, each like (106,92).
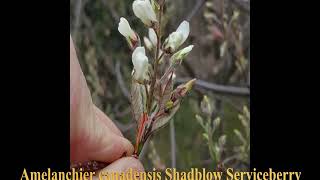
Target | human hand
(93,136)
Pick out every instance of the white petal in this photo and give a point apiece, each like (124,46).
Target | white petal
(149,11)
(137,7)
(140,66)
(178,37)
(186,49)
(125,29)
(144,11)
(175,40)
(153,37)
(181,54)
(137,51)
(140,63)
(184,29)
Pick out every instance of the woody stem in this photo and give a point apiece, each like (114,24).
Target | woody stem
(156,60)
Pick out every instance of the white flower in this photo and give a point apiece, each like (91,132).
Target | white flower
(144,11)
(181,54)
(140,63)
(125,29)
(153,37)
(178,37)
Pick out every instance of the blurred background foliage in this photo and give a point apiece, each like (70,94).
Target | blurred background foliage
(220,60)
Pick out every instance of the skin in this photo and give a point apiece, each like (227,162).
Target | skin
(93,136)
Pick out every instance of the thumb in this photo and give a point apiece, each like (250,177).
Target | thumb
(91,137)
(104,145)
(94,140)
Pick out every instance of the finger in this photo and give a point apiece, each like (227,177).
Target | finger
(125,164)
(107,121)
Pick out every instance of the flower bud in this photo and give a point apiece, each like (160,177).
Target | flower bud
(177,38)
(147,43)
(222,140)
(180,55)
(140,63)
(206,105)
(125,29)
(190,84)
(144,11)
(200,120)
(182,90)
(216,123)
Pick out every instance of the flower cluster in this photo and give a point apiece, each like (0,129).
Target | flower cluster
(154,100)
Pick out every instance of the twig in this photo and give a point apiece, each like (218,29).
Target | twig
(230,90)
(121,83)
(173,144)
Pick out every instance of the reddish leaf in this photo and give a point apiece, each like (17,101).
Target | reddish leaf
(166,92)
(164,117)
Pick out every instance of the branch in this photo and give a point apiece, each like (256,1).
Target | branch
(223,89)
(196,8)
